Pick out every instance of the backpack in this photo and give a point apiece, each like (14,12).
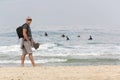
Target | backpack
(19,31)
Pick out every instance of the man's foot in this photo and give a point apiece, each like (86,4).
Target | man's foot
(36,65)
(22,65)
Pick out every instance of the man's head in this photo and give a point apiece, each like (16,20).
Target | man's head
(28,20)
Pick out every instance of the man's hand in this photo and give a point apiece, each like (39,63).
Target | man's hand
(28,42)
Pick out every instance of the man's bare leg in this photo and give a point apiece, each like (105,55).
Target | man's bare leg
(22,59)
(32,59)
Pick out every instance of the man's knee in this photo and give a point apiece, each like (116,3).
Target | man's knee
(23,54)
(30,54)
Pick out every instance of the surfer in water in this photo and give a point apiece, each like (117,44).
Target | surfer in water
(67,38)
(46,34)
(78,36)
(90,38)
(63,35)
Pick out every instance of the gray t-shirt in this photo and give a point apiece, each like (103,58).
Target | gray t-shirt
(26,26)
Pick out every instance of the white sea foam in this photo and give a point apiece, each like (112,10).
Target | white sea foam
(37,61)
(51,49)
(11,48)
(47,45)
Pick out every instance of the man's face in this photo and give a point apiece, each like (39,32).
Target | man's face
(29,21)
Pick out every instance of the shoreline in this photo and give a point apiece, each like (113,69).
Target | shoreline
(102,72)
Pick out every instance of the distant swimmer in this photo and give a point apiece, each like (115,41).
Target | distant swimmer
(78,36)
(90,38)
(63,35)
(46,34)
(67,38)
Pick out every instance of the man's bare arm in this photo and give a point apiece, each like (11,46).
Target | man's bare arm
(25,34)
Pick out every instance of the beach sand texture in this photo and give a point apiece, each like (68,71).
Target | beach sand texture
(61,73)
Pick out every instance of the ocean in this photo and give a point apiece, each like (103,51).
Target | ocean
(55,50)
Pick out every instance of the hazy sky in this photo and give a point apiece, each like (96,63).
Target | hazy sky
(60,12)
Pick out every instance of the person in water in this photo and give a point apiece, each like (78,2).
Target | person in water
(90,38)
(67,38)
(63,35)
(46,34)
(78,36)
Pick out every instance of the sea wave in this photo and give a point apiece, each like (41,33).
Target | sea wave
(53,60)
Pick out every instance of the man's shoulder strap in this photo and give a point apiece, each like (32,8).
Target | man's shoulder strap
(25,24)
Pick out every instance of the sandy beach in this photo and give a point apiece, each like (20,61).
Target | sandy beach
(61,73)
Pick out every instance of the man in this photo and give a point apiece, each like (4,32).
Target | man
(27,42)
